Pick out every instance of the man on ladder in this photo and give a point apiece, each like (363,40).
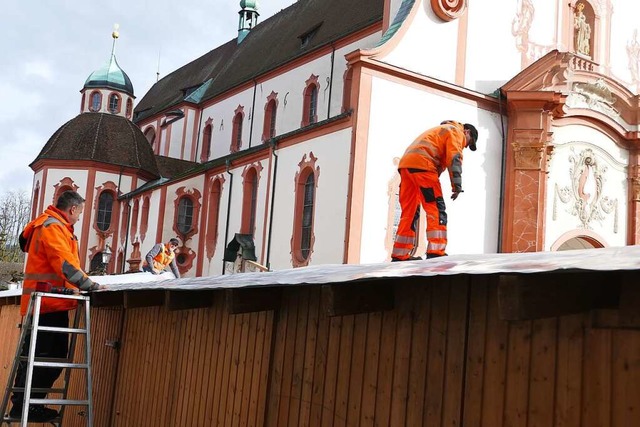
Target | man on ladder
(53,259)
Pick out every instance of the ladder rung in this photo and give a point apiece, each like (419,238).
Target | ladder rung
(65,330)
(9,420)
(45,359)
(61,365)
(39,390)
(59,402)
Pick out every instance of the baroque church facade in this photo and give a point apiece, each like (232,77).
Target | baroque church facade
(291,133)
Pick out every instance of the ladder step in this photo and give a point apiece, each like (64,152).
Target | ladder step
(61,365)
(7,419)
(59,402)
(45,359)
(62,330)
(39,390)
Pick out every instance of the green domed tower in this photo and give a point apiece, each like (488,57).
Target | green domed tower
(248,18)
(108,89)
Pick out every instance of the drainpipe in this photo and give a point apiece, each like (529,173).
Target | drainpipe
(273,196)
(253,111)
(126,236)
(226,232)
(333,53)
(503,173)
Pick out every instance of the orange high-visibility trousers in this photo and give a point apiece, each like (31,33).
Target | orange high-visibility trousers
(418,187)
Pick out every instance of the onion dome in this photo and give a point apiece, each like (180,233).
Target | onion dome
(110,76)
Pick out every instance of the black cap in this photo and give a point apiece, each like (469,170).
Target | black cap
(474,135)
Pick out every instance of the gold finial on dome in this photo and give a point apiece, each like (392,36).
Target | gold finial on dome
(115,34)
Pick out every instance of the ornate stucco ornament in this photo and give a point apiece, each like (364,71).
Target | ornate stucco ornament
(448,10)
(594,96)
(584,194)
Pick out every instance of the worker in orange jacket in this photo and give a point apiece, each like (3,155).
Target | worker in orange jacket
(161,256)
(52,259)
(423,161)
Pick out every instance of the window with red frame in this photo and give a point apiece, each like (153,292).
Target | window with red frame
(185,215)
(114,103)
(129,108)
(270,120)
(249,202)
(310,105)
(236,136)
(150,134)
(105,209)
(307,216)
(96,101)
(206,143)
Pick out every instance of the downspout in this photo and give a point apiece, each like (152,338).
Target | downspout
(226,232)
(126,236)
(253,111)
(273,196)
(333,53)
(503,173)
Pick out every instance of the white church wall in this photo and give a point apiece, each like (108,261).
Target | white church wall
(175,137)
(332,153)
(398,115)
(222,113)
(189,143)
(625,42)
(574,203)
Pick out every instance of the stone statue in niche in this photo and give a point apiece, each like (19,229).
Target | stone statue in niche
(521,25)
(583,31)
(633,52)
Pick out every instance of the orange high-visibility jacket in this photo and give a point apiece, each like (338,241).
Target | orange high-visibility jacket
(438,149)
(163,257)
(53,258)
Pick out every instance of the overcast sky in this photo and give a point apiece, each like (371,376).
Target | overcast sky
(49,47)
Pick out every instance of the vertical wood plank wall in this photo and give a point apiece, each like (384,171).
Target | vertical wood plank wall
(441,358)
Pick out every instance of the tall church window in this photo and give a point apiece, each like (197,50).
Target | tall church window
(270,116)
(150,134)
(96,101)
(236,133)
(310,103)
(105,209)
(206,143)
(114,103)
(303,237)
(185,215)
(129,108)
(249,201)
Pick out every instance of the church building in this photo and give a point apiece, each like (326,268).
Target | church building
(291,132)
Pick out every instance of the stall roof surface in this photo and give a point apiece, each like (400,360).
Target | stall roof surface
(606,259)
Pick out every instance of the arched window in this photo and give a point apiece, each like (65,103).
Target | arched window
(303,237)
(206,143)
(105,208)
(114,103)
(96,101)
(310,104)
(308,200)
(34,203)
(236,134)
(249,201)
(270,114)
(129,108)
(214,214)
(150,134)
(144,221)
(185,215)
(134,219)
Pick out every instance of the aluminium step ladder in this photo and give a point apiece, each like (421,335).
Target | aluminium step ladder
(31,324)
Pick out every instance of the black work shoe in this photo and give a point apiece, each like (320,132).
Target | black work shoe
(429,256)
(411,258)
(37,413)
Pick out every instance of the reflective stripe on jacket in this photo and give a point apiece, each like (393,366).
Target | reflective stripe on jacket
(438,149)
(52,250)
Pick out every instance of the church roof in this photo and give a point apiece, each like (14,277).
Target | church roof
(104,138)
(272,43)
(111,76)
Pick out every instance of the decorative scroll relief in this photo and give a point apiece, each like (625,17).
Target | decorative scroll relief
(594,96)
(448,10)
(584,195)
